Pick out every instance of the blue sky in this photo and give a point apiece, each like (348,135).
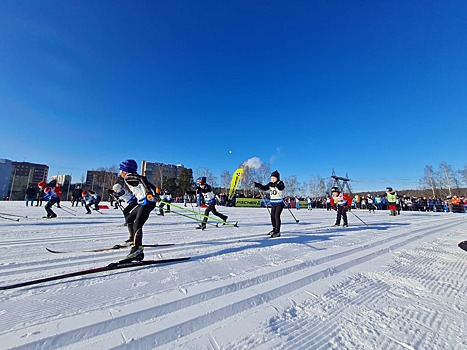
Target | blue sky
(375,89)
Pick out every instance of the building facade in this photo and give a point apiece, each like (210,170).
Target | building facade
(6,173)
(175,178)
(25,174)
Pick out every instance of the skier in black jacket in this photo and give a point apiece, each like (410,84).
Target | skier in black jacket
(144,193)
(210,199)
(275,187)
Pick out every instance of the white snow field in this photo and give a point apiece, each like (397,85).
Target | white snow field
(399,283)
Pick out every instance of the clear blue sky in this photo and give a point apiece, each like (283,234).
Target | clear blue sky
(375,89)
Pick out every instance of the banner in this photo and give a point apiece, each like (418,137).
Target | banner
(235,181)
(248,202)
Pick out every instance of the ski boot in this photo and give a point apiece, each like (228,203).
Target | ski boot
(275,234)
(136,254)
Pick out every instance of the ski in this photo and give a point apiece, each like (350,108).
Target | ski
(115,247)
(110,267)
(6,218)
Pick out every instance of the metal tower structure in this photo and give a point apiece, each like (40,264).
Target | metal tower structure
(341,183)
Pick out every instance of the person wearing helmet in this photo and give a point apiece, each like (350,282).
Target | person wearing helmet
(145,202)
(207,193)
(166,199)
(391,197)
(275,188)
(340,202)
(50,197)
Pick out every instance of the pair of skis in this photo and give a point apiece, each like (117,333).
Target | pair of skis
(115,247)
(114,266)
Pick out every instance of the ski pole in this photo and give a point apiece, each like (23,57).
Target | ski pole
(5,218)
(264,200)
(18,216)
(290,211)
(359,218)
(67,211)
(192,218)
(202,215)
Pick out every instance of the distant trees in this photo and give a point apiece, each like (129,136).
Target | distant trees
(444,181)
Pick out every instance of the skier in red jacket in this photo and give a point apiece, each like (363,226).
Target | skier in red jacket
(340,202)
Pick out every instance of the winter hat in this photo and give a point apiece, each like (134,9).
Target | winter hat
(128,166)
(276,174)
(42,184)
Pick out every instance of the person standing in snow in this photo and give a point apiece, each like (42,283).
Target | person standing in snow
(144,193)
(275,188)
(206,192)
(30,195)
(310,203)
(50,197)
(76,196)
(391,197)
(340,202)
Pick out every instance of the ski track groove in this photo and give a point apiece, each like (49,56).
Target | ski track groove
(317,334)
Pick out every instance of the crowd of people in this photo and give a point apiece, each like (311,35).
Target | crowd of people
(137,198)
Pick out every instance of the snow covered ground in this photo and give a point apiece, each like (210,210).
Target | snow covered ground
(400,283)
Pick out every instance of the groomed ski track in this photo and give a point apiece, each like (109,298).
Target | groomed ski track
(398,284)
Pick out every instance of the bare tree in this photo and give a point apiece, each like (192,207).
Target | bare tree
(429,180)
(226,178)
(317,187)
(447,177)
(463,174)
(247,179)
(264,173)
(210,177)
(291,185)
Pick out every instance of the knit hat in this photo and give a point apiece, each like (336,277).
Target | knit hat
(276,174)
(42,184)
(128,166)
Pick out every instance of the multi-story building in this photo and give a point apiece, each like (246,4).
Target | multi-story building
(25,174)
(161,174)
(6,172)
(62,180)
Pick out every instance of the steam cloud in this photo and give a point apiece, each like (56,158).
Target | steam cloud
(254,163)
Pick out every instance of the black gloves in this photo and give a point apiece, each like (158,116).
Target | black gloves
(257,184)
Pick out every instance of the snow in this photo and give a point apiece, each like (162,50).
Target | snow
(399,283)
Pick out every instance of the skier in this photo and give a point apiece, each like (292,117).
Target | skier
(145,202)
(90,198)
(205,190)
(275,187)
(51,198)
(167,198)
(340,202)
(391,197)
(310,203)
(58,192)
